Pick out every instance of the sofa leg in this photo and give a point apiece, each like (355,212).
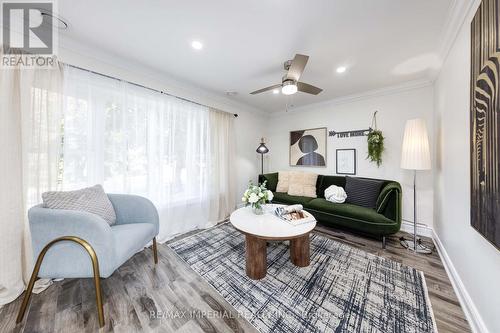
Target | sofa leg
(155,251)
(36,269)
(383,242)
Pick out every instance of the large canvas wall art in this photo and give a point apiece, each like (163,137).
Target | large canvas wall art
(308,147)
(485,121)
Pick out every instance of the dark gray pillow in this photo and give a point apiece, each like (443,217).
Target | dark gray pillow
(91,199)
(362,192)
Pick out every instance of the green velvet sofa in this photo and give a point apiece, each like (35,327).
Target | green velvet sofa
(380,222)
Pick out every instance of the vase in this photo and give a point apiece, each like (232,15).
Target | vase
(258,210)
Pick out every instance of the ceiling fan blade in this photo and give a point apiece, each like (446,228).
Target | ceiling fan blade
(265,89)
(297,67)
(307,88)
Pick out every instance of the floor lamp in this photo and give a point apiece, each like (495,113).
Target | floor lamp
(262,149)
(415,156)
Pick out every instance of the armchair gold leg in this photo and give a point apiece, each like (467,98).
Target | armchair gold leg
(36,269)
(155,251)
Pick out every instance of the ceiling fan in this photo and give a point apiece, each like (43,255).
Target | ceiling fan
(290,82)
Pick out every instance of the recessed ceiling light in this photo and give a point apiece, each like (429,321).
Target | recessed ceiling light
(276,91)
(341,69)
(197,45)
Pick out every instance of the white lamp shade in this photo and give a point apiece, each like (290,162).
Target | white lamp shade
(415,154)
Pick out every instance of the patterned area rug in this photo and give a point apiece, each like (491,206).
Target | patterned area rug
(343,290)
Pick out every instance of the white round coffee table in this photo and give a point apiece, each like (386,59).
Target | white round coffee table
(258,229)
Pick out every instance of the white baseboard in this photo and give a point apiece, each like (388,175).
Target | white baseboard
(422,229)
(471,313)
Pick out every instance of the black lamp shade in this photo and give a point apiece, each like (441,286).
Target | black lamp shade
(262,149)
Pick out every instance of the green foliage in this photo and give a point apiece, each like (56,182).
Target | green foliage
(375,146)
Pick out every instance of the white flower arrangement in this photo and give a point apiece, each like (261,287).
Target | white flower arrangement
(256,195)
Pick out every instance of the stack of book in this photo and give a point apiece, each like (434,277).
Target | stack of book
(294,214)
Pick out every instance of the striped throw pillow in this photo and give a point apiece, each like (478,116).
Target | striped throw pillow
(362,192)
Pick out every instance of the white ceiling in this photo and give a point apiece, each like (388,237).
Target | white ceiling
(382,42)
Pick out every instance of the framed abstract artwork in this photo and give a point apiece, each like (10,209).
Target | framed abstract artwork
(345,162)
(485,121)
(308,147)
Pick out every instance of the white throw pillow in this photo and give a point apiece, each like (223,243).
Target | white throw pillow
(335,194)
(283,177)
(302,184)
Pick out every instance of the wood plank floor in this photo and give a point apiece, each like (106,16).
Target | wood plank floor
(183,302)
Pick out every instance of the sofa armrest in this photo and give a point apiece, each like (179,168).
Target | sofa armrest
(48,224)
(134,209)
(389,202)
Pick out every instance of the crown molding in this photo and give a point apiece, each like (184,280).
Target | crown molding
(459,12)
(390,90)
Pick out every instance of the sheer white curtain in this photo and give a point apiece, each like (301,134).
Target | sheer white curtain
(222,156)
(134,140)
(66,128)
(30,135)
(11,195)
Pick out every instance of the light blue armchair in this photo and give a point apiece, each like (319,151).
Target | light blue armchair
(75,244)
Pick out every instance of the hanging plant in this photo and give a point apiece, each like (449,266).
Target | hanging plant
(375,143)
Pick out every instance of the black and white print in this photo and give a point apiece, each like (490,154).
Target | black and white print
(308,147)
(485,121)
(346,161)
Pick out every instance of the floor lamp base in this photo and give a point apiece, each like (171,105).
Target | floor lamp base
(409,244)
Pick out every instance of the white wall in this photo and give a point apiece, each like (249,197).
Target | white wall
(393,110)
(249,130)
(475,260)
(249,126)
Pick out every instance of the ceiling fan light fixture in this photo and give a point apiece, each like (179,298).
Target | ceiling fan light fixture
(290,82)
(289,87)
